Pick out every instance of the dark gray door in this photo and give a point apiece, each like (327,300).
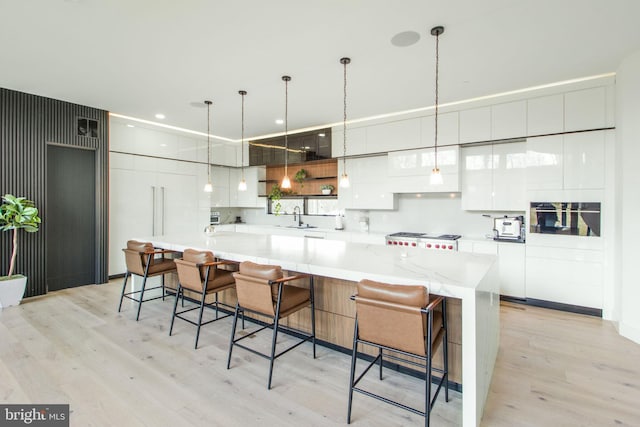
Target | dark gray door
(70,217)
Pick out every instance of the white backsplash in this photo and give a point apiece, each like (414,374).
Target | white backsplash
(433,213)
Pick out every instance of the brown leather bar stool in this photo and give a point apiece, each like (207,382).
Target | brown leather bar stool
(261,290)
(199,272)
(141,260)
(402,320)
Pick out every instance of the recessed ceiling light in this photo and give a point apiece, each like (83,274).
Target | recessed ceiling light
(307,148)
(163,145)
(321,135)
(160,116)
(130,126)
(279,121)
(405,38)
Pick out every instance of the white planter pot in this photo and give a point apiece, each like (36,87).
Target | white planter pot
(12,291)
(326,192)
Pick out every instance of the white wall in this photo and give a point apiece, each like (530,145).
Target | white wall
(628,195)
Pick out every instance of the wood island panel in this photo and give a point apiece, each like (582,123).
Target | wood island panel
(335,319)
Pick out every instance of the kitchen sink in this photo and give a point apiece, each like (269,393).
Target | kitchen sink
(301,227)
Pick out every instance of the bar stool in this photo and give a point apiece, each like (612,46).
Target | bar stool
(199,272)
(402,320)
(261,290)
(141,260)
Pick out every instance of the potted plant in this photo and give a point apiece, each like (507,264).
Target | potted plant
(15,213)
(300,176)
(326,189)
(275,195)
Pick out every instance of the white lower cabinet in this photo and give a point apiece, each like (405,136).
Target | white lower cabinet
(512,269)
(511,263)
(568,276)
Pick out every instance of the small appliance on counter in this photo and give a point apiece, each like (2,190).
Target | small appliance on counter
(510,229)
(214,218)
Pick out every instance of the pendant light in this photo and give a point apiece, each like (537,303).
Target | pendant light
(242,186)
(344,178)
(436,176)
(286,182)
(208,187)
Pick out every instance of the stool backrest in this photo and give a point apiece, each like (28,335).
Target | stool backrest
(189,274)
(253,287)
(391,315)
(135,258)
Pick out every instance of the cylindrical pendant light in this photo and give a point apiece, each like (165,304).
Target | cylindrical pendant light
(208,187)
(344,178)
(242,186)
(436,176)
(286,182)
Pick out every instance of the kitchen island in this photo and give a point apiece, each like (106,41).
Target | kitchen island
(470,278)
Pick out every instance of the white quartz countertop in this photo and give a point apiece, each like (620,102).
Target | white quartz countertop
(449,273)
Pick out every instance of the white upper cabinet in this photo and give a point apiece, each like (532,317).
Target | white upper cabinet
(475,125)
(220,197)
(356,141)
(369,184)
(545,115)
(545,163)
(509,120)
(448,129)
(585,109)
(392,136)
(493,177)
(584,160)
(477,178)
(249,198)
(509,176)
(566,162)
(409,170)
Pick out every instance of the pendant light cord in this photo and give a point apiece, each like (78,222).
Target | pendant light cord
(437,76)
(208,142)
(344,119)
(242,93)
(286,124)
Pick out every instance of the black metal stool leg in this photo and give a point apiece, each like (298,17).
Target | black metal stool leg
(124,286)
(313,315)
(204,294)
(175,308)
(354,356)
(233,333)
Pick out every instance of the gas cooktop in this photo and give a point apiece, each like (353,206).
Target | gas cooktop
(406,234)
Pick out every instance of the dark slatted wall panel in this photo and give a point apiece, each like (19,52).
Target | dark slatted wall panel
(27,124)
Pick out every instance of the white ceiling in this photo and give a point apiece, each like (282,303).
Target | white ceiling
(141,57)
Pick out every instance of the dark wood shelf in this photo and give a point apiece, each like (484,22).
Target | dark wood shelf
(302,196)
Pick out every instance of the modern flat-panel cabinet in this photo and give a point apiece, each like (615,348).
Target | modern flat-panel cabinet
(148,197)
(249,198)
(410,170)
(356,141)
(571,161)
(493,177)
(369,184)
(545,115)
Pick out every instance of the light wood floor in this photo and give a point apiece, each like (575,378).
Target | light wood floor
(71,346)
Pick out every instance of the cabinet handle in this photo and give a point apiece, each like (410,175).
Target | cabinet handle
(163,210)
(153,210)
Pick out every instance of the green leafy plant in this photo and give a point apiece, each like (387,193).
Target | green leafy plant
(327,187)
(275,195)
(17,213)
(300,176)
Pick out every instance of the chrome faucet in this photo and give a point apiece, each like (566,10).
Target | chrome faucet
(297,218)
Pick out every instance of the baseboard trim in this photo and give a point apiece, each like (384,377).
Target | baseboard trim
(596,312)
